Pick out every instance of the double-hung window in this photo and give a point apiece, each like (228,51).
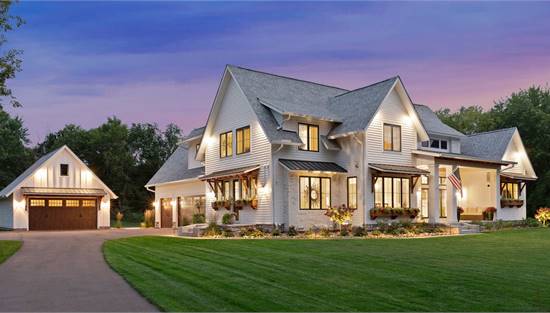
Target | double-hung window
(392,137)
(226,144)
(243,140)
(314,193)
(309,134)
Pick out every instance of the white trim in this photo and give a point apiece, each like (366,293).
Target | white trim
(187,180)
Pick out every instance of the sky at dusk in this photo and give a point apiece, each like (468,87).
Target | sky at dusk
(162,61)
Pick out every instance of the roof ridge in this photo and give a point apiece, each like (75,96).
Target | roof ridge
(380,82)
(493,131)
(287,77)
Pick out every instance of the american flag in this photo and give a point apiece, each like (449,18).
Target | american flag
(454,178)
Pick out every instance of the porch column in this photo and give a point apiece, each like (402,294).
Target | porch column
(497,193)
(433,202)
(451,200)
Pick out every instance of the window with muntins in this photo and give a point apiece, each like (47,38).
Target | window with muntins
(226,144)
(314,193)
(510,191)
(392,137)
(352,192)
(243,140)
(392,192)
(309,134)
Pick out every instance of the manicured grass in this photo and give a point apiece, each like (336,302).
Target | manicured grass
(8,248)
(503,271)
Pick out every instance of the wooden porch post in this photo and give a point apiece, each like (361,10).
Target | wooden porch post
(433,202)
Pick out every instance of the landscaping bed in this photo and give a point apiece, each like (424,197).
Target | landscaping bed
(496,271)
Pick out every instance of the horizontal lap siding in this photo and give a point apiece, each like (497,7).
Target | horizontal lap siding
(6,213)
(173,191)
(235,112)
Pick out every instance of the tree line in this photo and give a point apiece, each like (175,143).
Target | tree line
(124,157)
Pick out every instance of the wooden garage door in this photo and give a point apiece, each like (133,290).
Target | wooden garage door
(62,214)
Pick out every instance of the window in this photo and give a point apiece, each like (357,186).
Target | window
(392,192)
(443,202)
(64,169)
(309,134)
(55,203)
(314,193)
(424,180)
(72,203)
(352,192)
(226,144)
(237,190)
(243,140)
(510,191)
(88,203)
(392,137)
(439,144)
(38,202)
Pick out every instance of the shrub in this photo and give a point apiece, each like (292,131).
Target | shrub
(213,230)
(358,231)
(325,232)
(149,218)
(376,233)
(531,222)
(276,232)
(198,218)
(119,217)
(227,233)
(292,231)
(340,215)
(543,216)
(227,218)
(344,232)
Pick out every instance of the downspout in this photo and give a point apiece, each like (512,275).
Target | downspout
(273,181)
(364,175)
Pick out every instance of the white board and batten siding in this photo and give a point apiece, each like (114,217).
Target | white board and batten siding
(391,111)
(6,213)
(49,176)
(235,112)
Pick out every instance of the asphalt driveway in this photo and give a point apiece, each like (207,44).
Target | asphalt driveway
(65,271)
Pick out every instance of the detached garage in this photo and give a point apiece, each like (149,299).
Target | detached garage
(58,192)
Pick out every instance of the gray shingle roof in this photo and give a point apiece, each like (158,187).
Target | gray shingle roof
(432,123)
(9,188)
(299,165)
(197,132)
(285,91)
(175,169)
(356,108)
(489,145)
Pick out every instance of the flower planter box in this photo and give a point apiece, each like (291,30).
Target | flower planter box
(254,203)
(509,203)
(393,213)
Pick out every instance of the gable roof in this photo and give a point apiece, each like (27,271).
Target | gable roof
(194,134)
(9,189)
(432,123)
(175,169)
(488,145)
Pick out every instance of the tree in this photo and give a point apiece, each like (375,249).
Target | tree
(10,61)
(15,157)
(467,120)
(75,137)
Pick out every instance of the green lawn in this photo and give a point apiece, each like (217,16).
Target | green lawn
(8,248)
(502,271)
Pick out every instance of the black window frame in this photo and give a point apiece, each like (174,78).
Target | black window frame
(503,188)
(392,127)
(226,144)
(63,169)
(242,129)
(348,192)
(309,195)
(381,178)
(308,144)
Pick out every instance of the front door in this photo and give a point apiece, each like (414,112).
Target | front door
(166,213)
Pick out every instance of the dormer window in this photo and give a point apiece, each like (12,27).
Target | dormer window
(197,146)
(309,134)
(64,169)
(439,144)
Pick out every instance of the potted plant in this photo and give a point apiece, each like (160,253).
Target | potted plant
(238,204)
(215,205)
(459,211)
(227,204)
(489,213)
(254,203)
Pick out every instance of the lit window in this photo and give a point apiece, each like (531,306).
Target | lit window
(392,137)
(226,144)
(166,203)
(38,202)
(55,203)
(424,180)
(309,134)
(392,192)
(88,203)
(64,169)
(243,140)
(510,191)
(352,192)
(237,190)
(72,203)
(314,193)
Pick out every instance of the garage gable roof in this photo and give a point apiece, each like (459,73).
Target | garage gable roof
(9,189)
